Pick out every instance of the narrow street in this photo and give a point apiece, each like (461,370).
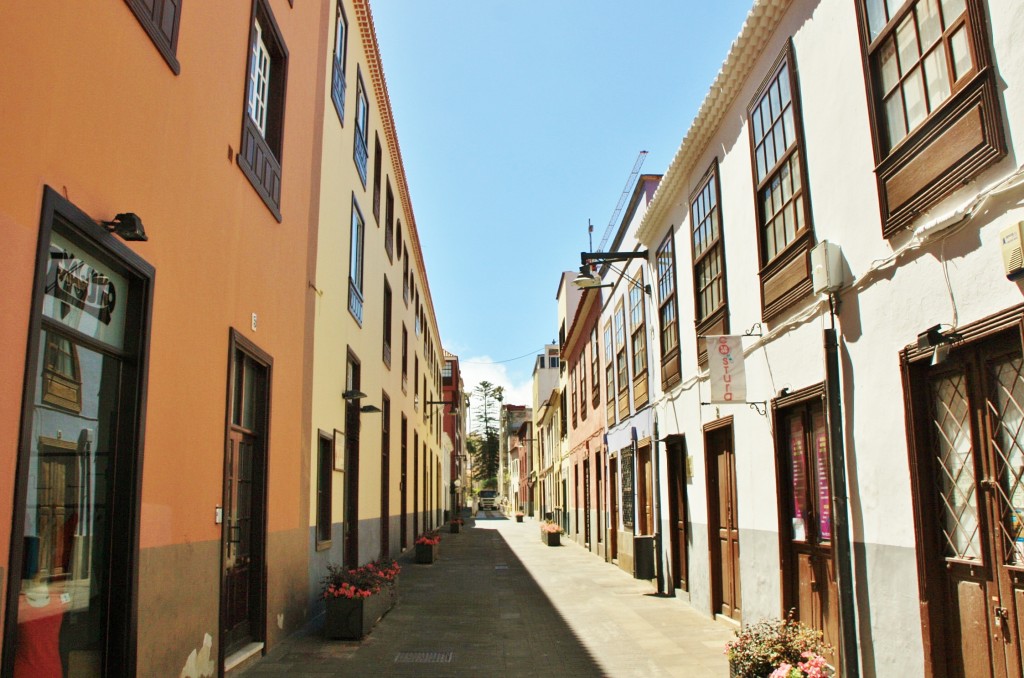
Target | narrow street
(501,603)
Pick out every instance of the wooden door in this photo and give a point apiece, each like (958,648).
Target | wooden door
(586,502)
(403,489)
(677,514)
(244,512)
(613,509)
(724,528)
(973,470)
(385,479)
(809,579)
(645,491)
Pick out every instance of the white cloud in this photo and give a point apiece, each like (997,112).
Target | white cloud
(480,368)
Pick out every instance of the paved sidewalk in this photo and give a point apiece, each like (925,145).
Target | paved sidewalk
(500,603)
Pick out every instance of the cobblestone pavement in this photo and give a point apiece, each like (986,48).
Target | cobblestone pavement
(500,603)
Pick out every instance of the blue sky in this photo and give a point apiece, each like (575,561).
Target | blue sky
(518,122)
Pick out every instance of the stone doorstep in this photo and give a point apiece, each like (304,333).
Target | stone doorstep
(242,659)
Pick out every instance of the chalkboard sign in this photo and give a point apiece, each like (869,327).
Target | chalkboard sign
(627,489)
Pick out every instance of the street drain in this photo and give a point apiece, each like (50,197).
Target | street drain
(424,657)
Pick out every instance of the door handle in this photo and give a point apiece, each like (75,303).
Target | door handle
(999,615)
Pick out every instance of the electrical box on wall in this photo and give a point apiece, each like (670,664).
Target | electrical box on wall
(1010,241)
(826,268)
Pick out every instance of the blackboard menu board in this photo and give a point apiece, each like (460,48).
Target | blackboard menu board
(627,489)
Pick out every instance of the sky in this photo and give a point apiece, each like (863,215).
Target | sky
(519,122)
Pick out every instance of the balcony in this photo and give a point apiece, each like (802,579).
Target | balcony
(360,154)
(355,302)
(338,91)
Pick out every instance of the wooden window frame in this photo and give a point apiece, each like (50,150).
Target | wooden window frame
(786,277)
(260,155)
(387,324)
(715,321)
(378,159)
(356,269)
(595,370)
(405,359)
(324,491)
(338,62)
(581,367)
(668,301)
(609,373)
(621,357)
(163,31)
(389,220)
(957,141)
(361,134)
(574,390)
(61,388)
(638,336)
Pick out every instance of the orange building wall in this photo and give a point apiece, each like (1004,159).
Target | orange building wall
(89,107)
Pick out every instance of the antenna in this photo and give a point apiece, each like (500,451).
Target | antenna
(622,200)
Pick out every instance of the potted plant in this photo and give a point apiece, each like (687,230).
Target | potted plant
(550,533)
(357,598)
(455,525)
(779,648)
(427,547)
(519,516)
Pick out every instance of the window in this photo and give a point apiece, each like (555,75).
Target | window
(405,282)
(62,379)
(621,364)
(933,96)
(324,478)
(573,393)
(387,323)
(595,370)
(784,222)
(338,64)
(709,291)
(668,312)
(263,123)
(609,374)
(360,149)
(446,371)
(389,221)
(638,340)
(355,268)
(581,369)
(398,238)
(405,359)
(376,177)
(161,19)
(563,413)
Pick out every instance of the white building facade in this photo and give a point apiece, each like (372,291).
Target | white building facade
(886,130)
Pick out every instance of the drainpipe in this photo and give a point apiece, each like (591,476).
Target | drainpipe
(659,567)
(849,664)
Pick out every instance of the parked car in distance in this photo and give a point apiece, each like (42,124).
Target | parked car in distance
(488,499)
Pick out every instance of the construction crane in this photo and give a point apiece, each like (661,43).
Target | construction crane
(622,200)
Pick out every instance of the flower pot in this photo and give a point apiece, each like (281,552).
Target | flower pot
(455,527)
(426,553)
(519,519)
(354,618)
(551,538)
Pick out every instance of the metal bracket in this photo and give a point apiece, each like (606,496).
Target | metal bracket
(754,331)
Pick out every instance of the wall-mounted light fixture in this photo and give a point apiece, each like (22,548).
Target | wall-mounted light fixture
(933,337)
(588,260)
(369,409)
(352,394)
(128,226)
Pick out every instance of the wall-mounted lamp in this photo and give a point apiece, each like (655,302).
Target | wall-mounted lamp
(442,402)
(934,338)
(352,394)
(128,226)
(369,409)
(587,280)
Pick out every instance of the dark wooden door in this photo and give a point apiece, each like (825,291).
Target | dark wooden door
(385,479)
(243,540)
(725,548)
(351,483)
(809,585)
(586,502)
(677,514)
(403,490)
(613,509)
(975,467)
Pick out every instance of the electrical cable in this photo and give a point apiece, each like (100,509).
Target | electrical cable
(496,362)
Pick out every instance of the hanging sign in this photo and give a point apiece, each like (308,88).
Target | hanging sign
(725,364)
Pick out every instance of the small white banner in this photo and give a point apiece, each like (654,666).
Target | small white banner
(725,364)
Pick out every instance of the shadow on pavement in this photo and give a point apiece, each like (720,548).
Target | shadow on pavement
(475,612)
